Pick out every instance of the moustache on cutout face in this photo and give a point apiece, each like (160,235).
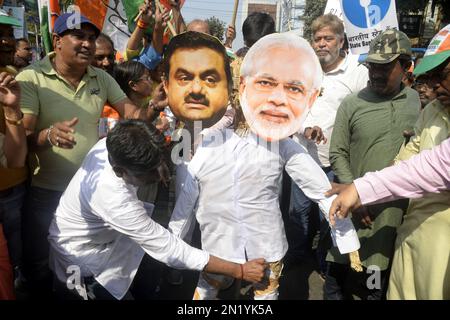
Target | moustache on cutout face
(197,99)
(281,112)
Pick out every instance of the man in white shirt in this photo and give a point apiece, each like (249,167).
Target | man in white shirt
(101,231)
(233,181)
(342,75)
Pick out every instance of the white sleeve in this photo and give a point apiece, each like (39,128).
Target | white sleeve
(311,179)
(183,213)
(127,215)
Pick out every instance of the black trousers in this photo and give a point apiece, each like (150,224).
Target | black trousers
(342,283)
(143,286)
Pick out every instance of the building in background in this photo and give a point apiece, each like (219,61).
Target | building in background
(272,7)
(292,16)
(287,14)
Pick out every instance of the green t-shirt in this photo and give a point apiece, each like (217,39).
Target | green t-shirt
(52,99)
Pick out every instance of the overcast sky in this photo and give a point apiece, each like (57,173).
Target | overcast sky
(222,9)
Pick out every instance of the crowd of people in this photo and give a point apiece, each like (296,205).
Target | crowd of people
(264,150)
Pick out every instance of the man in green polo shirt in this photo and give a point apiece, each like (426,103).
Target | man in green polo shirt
(367,136)
(62,100)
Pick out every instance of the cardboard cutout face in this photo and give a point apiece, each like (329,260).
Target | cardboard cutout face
(197,84)
(280,80)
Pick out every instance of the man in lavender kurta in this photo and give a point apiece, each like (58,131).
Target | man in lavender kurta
(426,172)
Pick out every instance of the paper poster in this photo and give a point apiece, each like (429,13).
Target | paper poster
(334,7)
(19,14)
(365,19)
(280,79)
(199,78)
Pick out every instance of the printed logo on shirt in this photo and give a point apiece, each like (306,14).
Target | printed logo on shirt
(95,91)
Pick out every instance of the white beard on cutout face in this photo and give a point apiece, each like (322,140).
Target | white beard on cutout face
(270,130)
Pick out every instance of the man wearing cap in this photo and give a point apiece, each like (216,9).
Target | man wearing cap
(62,99)
(366,137)
(13,150)
(420,268)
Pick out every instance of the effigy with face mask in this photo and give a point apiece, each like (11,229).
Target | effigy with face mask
(279,82)
(234,178)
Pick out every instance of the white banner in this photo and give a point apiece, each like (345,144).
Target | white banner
(115,27)
(334,7)
(365,19)
(19,14)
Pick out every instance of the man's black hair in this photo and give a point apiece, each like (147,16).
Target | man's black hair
(197,40)
(256,26)
(104,37)
(135,146)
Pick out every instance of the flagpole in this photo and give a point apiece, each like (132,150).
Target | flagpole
(233,19)
(161,9)
(169,24)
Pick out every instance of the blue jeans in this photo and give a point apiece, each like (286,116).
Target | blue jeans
(306,221)
(39,209)
(11,217)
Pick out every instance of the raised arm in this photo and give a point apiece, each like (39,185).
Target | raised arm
(180,25)
(15,144)
(135,41)
(161,19)
(429,171)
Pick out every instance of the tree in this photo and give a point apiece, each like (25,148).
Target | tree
(216,27)
(313,9)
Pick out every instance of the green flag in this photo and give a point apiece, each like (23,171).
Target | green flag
(45,33)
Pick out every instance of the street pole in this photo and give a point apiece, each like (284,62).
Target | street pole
(38,48)
(235,9)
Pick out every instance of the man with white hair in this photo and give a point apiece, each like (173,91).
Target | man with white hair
(198,25)
(233,180)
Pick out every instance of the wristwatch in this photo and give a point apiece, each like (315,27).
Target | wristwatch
(15,122)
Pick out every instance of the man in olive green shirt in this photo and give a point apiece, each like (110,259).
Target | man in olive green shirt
(62,100)
(367,136)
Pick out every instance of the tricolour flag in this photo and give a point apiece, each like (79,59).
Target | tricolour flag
(114,17)
(49,11)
